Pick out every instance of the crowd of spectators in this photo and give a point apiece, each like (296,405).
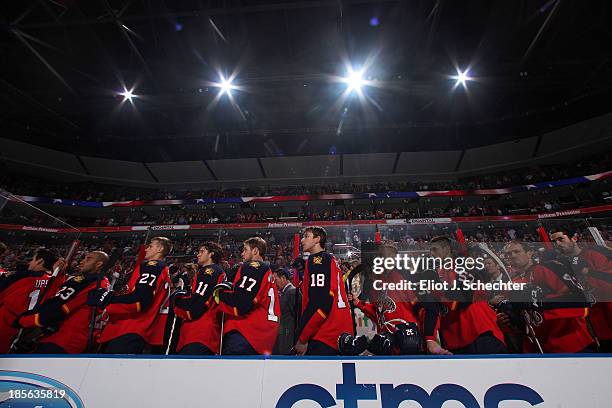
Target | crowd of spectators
(25,185)
(181,215)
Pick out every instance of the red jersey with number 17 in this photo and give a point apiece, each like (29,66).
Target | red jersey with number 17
(252,308)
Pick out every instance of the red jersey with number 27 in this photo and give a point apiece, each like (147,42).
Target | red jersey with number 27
(130,314)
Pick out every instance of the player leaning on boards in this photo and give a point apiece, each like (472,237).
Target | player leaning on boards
(325,311)
(65,317)
(201,328)
(250,303)
(138,318)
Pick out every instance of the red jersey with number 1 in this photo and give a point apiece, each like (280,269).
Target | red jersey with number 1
(69,311)
(18,294)
(144,309)
(252,308)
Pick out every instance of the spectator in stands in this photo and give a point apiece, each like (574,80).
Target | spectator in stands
(288,302)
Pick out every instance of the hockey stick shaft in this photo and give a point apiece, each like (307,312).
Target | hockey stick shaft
(94,310)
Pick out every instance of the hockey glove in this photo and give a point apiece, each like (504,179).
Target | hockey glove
(99,297)
(221,287)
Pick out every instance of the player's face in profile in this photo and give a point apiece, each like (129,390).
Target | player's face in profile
(308,241)
(491,268)
(517,256)
(152,249)
(203,256)
(563,242)
(88,263)
(247,253)
(439,251)
(280,281)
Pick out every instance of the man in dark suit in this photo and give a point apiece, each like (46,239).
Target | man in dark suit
(287,293)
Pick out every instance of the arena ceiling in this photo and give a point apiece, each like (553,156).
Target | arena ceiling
(536,66)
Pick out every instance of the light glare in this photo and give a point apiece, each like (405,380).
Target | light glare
(354,80)
(226,86)
(462,77)
(128,95)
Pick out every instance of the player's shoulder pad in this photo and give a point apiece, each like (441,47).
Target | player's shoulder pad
(217,269)
(319,260)
(211,270)
(252,264)
(76,278)
(152,266)
(253,267)
(75,281)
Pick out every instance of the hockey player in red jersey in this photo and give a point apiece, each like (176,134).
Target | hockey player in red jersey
(325,311)
(594,266)
(467,322)
(138,318)
(250,304)
(403,318)
(561,303)
(201,328)
(65,317)
(19,292)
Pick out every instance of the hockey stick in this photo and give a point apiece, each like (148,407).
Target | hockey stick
(171,334)
(530,330)
(92,320)
(349,289)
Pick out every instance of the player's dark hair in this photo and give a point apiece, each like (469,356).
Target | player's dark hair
(571,233)
(3,248)
(259,243)
(280,271)
(217,251)
(49,257)
(318,232)
(165,243)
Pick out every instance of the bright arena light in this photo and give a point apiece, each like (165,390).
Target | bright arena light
(226,86)
(462,77)
(354,80)
(127,95)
